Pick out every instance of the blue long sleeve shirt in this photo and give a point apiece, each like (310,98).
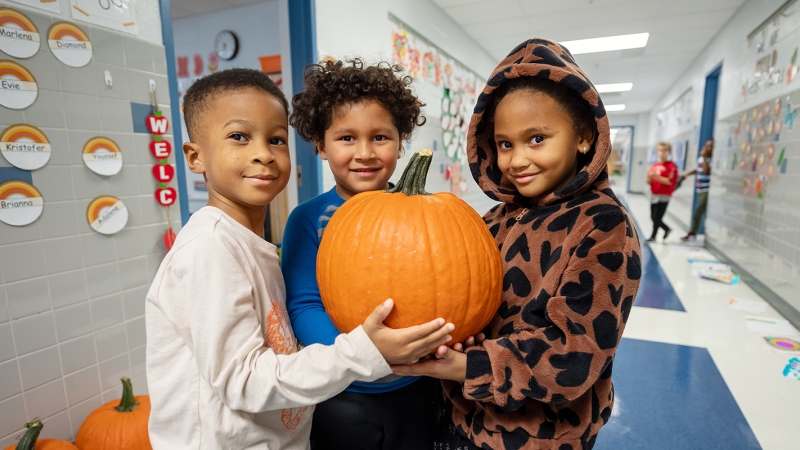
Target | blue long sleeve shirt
(310,321)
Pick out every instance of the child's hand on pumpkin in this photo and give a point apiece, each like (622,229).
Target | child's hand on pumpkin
(450,365)
(405,345)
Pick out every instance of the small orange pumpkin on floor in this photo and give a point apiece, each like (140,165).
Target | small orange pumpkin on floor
(431,253)
(30,440)
(117,425)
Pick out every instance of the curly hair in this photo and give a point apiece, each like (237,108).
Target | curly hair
(331,84)
(197,97)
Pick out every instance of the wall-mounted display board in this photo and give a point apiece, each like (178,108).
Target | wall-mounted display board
(19,36)
(69,44)
(20,203)
(756,153)
(102,156)
(119,15)
(25,146)
(107,214)
(18,88)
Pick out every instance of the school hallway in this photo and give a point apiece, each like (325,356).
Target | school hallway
(689,373)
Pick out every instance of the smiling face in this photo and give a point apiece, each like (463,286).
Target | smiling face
(537,145)
(362,147)
(241,150)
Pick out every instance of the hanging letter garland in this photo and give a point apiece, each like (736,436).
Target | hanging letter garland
(163,171)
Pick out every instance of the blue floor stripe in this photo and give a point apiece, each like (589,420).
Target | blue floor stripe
(655,290)
(672,397)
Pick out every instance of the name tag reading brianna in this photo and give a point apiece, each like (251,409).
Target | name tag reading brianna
(20,203)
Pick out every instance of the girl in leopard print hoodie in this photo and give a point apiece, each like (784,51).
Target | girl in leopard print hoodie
(539,143)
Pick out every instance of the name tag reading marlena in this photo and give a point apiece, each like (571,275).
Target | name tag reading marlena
(19,37)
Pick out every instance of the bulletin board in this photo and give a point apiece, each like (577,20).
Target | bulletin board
(450,90)
(79,90)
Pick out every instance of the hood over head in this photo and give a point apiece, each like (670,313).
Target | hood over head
(546,59)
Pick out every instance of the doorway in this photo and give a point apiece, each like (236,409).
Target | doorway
(707,121)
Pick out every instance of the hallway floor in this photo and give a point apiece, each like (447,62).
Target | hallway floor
(689,373)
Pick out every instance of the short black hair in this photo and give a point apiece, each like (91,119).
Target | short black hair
(578,109)
(197,97)
(331,84)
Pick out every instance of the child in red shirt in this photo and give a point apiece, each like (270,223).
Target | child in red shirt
(662,177)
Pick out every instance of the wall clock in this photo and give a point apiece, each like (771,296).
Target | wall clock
(226,45)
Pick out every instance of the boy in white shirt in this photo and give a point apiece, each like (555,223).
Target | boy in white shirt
(223,368)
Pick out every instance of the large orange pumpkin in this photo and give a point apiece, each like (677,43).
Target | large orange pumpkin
(431,253)
(117,425)
(30,440)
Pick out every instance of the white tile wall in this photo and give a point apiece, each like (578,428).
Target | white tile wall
(72,300)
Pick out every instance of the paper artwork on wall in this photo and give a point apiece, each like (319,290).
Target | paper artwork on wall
(118,15)
(102,156)
(47,5)
(20,203)
(69,44)
(19,36)
(25,147)
(18,88)
(107,214)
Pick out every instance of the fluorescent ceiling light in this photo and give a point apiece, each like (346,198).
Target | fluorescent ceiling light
(615,107)
(607,44)
(617,87)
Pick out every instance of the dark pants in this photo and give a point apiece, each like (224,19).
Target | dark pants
(657,211)
(702,204)
(404,419)
(447,436)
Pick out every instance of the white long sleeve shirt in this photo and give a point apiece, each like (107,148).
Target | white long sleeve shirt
(223,368)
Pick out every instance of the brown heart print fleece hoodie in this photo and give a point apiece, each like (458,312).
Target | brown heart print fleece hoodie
(542,377)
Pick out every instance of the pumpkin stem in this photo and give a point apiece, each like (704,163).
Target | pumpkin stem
(413,180)
(127,403)
(28,440)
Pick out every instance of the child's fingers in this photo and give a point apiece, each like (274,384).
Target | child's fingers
(434,341)
(380,313)
(433,327)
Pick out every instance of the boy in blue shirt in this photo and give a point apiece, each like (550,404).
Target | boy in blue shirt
(358,117)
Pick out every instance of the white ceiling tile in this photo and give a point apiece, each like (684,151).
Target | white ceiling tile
(449,3)
(485,11)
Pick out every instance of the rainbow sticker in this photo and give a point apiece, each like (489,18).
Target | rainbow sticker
(69,44)
(25,146)
(19,37)
(18,88)
(783,344)
(102,156)
(107,214)
(20,203)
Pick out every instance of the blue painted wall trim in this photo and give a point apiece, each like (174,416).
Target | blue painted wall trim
(13,173)
(303,37)
(172,79)
(707,122)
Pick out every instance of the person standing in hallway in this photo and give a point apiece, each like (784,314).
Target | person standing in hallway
(702,182)
(662,177)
